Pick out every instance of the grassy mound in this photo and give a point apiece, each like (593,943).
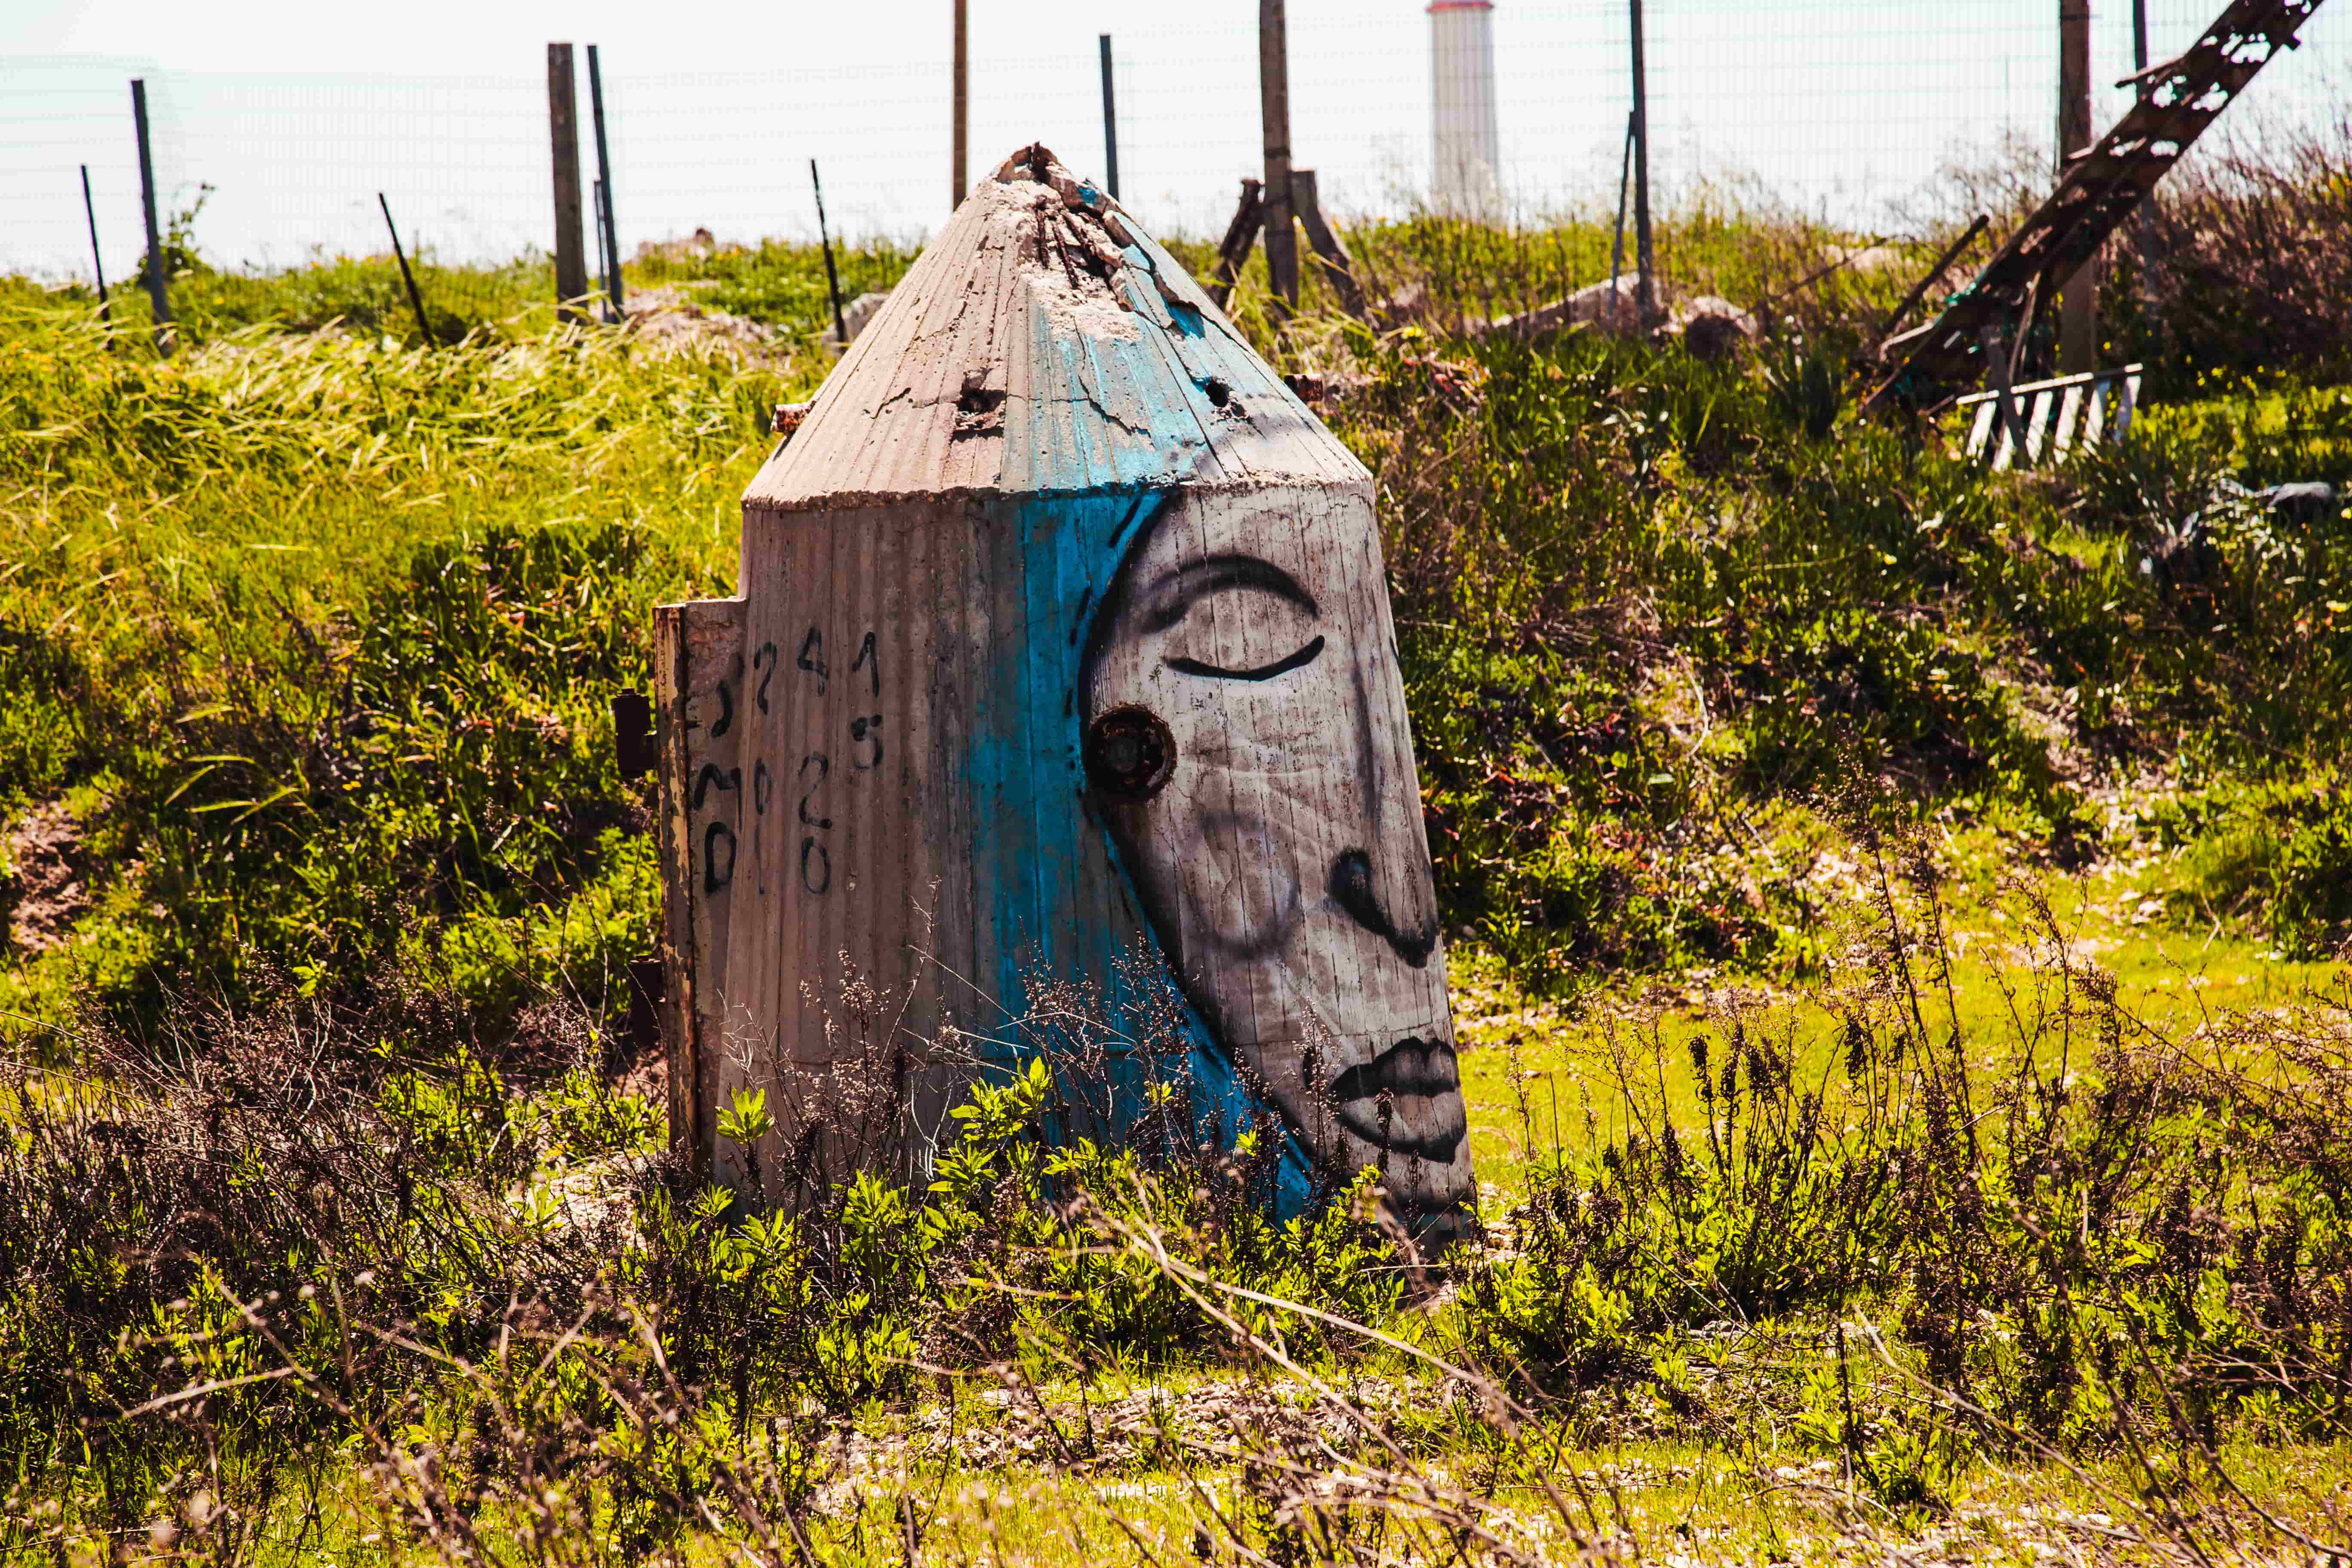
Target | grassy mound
(324,1225)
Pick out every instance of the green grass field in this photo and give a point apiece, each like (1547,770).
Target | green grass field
(1895,937)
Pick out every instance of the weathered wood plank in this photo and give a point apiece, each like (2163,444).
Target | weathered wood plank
(2070,413)
(1980,430)
(698,669)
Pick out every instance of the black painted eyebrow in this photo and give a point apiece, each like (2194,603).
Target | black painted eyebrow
(1305,656)
(1175,591)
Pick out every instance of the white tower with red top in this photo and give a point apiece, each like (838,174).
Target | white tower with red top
(1462,94)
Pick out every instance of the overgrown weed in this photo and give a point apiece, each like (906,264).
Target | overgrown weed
(302,1254)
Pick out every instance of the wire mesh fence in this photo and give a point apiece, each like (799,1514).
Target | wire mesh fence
(1842,109)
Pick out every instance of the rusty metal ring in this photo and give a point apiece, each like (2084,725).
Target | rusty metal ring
(1130,754)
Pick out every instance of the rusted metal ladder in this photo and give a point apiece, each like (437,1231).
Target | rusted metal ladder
(2102,185)
(2058,417)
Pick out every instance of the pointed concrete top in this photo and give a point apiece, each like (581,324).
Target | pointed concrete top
(1045,344)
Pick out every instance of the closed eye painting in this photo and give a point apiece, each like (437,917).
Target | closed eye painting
(1247,745)
(1065,654)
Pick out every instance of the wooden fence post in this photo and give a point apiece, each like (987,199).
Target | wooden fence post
(1330,252)
(1241,237)
(962,144)
(1274,101)
(2078,308)
(563,133)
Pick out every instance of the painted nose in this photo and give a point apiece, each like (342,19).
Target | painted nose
(1353,890)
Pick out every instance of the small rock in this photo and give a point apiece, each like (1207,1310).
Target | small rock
(2182,555)
(1612,305)
(1713,328)
(857,313)
(1866,258)
(2308,502)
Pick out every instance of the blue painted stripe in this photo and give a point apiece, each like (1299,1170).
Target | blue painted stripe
(1039,860)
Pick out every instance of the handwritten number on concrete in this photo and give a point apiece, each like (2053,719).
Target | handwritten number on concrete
(865,748)
(865,729)
(824,764)
(731,779)
(716,873)
(812,655)
(870,661)
(767,652)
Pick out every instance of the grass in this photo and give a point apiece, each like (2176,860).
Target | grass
(1731,715)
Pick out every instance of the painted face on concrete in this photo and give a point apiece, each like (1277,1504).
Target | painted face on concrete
(1246,741)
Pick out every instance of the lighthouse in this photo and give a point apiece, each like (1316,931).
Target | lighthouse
(1466,173)
(1061,685)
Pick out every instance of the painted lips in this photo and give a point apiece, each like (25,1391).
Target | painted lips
(1407,1099)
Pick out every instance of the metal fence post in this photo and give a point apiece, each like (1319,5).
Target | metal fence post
(1110,124)
(156,293)
(605,227)
(1643,260)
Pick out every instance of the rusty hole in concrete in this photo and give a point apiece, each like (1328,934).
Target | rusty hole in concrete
(1130,754)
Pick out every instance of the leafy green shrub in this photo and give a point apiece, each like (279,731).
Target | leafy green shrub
(366,725)
(2077,1250)
(1634,596)
(2277,853)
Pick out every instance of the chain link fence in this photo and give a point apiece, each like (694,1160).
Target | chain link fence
(1842,109)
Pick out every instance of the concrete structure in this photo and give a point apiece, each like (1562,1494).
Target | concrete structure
(1466,173)
(1062,686)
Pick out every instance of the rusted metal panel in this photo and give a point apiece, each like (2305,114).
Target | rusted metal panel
(2103,185)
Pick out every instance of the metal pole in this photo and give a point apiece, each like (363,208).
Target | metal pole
(612,246)
(612,250)
(1617,245)
(1110,124)
(1274,103)
(415,299)
(831,277)
(956,159)
(156,296)
(97,261)
(1644,259)
(563,134)
(604,252)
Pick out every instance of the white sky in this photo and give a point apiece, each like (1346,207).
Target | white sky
(299,114)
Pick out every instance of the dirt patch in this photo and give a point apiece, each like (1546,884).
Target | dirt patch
(45,892)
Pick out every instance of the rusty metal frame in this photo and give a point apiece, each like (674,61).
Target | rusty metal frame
(2101,186)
